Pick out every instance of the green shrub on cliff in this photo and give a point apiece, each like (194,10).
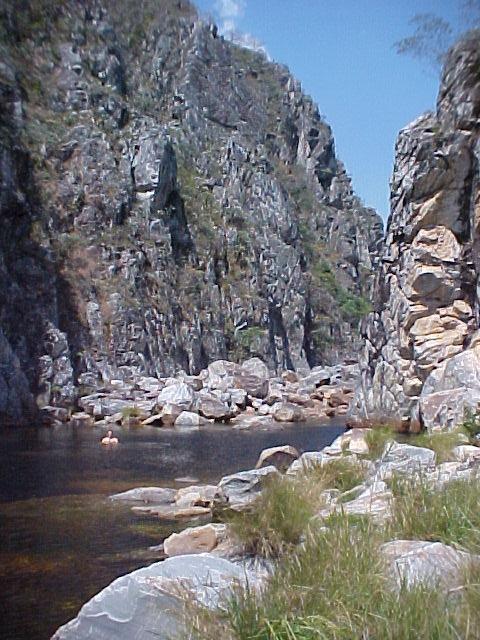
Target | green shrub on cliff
(351,305)
(471,423)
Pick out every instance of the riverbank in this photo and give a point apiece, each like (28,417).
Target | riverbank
(62,537)
(242,395)
(366,536)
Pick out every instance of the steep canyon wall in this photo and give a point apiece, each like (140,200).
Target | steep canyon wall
(167,199)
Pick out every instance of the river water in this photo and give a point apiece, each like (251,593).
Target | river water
(62,540)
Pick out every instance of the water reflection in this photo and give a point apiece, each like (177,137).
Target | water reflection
(62,540)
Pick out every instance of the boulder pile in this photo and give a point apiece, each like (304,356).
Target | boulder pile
(244,395)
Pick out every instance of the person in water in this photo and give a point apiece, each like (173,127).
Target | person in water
(109,439)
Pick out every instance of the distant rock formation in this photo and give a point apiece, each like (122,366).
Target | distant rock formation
(167,199)
(421,361)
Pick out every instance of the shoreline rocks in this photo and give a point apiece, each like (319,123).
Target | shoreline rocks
(197,565)
(151,598)
(245,396)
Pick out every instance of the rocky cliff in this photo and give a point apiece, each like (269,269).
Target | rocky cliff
(167,199)
(421,360)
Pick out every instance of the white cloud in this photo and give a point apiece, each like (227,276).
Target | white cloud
(248,41)
(228,27)
(230,12)
(230,9)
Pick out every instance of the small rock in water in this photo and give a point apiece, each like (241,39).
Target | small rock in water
(280,457)
(187,479)
(194,540)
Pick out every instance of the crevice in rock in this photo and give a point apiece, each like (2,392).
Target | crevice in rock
(276,330)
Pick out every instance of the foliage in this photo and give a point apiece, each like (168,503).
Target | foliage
(276,520)
(471,424)
(430,40)
(246,337)
(351,306)
(341,473)
(282,512)
(334,588)
(441,443)
(321,337)
(433,35)
(131,412)
(424,512)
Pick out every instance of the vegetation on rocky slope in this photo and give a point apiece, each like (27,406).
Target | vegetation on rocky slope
(181,223)
(334,585)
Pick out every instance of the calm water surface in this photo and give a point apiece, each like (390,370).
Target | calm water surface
(62,540)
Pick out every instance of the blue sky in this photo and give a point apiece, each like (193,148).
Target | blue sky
(342,52)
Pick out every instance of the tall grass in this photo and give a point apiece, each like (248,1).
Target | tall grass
(334,585)
(335,588)
(341,473)
(277,518)
(441,443)
(280,515)
(450,515)
(376,440)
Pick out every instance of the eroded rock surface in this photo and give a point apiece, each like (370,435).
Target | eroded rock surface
(147,601)
(420,362)
(168,199)
(415,562)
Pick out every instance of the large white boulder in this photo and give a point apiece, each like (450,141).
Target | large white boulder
(179,394)
(146,602)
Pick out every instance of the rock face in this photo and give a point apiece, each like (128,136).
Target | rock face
(194,540)
(421,340)
(413,562)
(168,199)
(147,601)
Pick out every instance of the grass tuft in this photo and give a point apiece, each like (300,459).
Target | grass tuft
(276,520)
(281,514)
(341,473)
(335,588)
(376,440)
(131,412)
(441,443)
(450,515)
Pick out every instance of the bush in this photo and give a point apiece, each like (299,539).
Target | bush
(352,307)
(131,412)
